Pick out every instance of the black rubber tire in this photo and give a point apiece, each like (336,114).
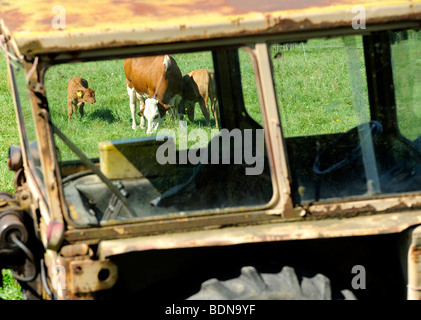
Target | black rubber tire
(251,285)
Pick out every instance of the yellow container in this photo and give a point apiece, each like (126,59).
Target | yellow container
(133,158)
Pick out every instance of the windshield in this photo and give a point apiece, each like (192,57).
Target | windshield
(346,135)
(141,138)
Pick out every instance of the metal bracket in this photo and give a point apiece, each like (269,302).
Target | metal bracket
(87,276)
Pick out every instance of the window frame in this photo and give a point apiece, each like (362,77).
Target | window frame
(212,216)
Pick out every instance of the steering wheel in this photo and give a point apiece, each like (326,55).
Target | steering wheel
(375,129)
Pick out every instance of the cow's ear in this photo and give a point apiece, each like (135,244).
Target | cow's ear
(140,113)
(79,93)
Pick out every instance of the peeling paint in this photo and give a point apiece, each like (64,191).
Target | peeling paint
(112,24)
(304,229)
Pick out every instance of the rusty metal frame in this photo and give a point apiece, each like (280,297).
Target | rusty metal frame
(53,216)
(281,221)
(280,207)
(283,209)
(187,20)
(31,187)
(302,229)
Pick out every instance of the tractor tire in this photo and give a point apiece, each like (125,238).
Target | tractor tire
(251,285)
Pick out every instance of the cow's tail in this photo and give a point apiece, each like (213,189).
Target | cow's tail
(167,62)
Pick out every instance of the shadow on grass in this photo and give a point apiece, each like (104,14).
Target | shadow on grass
(102,114)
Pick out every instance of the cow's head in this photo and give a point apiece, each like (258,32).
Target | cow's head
(86,95)
(154,112)
(187,107)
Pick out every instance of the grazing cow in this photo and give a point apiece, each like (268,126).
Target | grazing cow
(157,83)
(199,86)
(78,93)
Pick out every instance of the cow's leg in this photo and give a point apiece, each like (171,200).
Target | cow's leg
(69,110)
(79,106)
(75,109)
(81,111)
(142,118)
(206,99)
(205,110)
(132,97)
(214,110)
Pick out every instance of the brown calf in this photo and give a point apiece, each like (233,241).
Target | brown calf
(78,93)
(199,86)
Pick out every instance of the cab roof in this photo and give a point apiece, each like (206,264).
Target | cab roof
(91,25)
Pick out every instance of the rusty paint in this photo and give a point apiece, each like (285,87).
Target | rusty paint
(69,251)
(377,211)
(349,208)
(180,235)
(112,23)
(85,276)
(415,254)
(305,229)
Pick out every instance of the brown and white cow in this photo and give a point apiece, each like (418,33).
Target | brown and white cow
(157,82)
(199,86)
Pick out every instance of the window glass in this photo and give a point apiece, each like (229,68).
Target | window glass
(313,86)
(176,160)
(406,61)
(251,99)
(322,93)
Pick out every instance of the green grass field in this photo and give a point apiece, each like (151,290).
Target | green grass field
(109,118)
(312,83)
(313,91)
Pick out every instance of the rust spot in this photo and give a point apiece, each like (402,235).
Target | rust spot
(236,22)
(267,5)
(142,9)
(31,46)
(13,19)
(284,25)
(339,212)
(78,270)
(415,254)
(203,7)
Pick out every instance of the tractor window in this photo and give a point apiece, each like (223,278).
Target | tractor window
(406,61)
(338,144)
(313,86)
(151,136)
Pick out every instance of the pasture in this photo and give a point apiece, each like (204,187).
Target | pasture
(312,83)
(109,118)
(312,86)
